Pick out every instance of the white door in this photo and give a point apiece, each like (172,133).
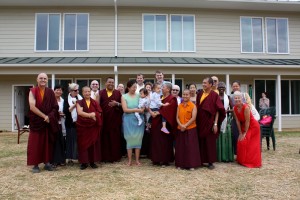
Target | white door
(21,105)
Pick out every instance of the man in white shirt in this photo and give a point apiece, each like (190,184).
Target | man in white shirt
(95,89)
(140,83)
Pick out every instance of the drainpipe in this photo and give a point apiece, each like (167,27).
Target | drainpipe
(116,29)
(116,76)
(173,79)
(53,81)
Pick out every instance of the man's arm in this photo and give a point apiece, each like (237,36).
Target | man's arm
(35,110)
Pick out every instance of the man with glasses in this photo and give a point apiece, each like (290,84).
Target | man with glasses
(175,93)
(95,89)
(215,84)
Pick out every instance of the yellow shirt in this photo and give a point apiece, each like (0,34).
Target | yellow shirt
(88,102)
(185,113)
(204,95)
(109,92)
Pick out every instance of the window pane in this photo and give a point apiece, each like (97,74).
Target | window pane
(176,33)
(259,88)
(54,20)
(257,35)
(285,98)
(69,36)
(282,35)
(246,30)
(271,36)
(271,91)
(82,32)
(161,32)
(81,84)
(149,33)
(41,31)
(188,32)
(295,90)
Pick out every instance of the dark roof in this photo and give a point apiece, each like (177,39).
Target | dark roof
(145,60)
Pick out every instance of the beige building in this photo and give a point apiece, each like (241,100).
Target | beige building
(256,42)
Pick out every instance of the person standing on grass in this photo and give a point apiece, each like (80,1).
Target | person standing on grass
(95,89)
(139,83)
(89,124)
(175,93)
(44,118)
(161,149)
(133,132)
(210,115)
(187,154)
(110,102)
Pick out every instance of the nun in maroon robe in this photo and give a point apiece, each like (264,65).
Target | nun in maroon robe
(43,117)
(210,114)
(161,149)
(110,102)
(88,124)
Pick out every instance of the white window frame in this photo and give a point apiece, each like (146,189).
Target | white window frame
(288,35)
(263,34)
(59,39)
(182,51)
(167,27)
(88,33)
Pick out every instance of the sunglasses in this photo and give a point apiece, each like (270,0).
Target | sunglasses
(215,81)
(75,90)
(95,84)
(175,90)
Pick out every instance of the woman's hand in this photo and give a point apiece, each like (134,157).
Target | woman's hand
(242,136)
(215,129)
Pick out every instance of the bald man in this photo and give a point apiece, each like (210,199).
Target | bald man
(43,117)
(95,89)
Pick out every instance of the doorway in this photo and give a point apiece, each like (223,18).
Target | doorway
(21,105)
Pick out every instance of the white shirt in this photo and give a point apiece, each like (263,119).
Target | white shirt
(94,94)
(138,88)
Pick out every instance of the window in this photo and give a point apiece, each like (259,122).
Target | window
(47,32)
(155,32)
(76,32)
(64,83)
(252,35)
(277,35)
(182,33)
(290,96)
(268,86)
(86,82)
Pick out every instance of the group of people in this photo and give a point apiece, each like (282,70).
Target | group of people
(141,118)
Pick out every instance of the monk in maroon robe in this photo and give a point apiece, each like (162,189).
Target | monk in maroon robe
(161,149)
(88,125)
(210,114)
(110,102)
(43,117)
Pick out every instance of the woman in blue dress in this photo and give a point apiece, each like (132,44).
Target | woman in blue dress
(133,133)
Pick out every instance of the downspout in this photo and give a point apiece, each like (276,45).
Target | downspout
(116,29)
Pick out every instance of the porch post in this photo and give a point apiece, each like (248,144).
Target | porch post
(227,85)
(279,102)
(173,79)
(116,76)
(53,81)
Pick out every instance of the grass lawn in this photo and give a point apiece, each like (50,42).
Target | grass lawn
(279,177)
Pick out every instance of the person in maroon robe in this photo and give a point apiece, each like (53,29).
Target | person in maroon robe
(161,148)
(88,124)
(44,118)
(210,114)
(110,102)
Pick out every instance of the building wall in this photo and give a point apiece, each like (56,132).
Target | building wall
(217,31)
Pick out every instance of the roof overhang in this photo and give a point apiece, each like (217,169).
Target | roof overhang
(288,5)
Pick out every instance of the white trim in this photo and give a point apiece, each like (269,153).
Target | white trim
(116,28)
(13,104)
(167,31)
(288,41)
(182,51)
(263,34)
(88,33)
(279,102)
(59,35)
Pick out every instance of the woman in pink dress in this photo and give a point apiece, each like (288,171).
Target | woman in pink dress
(248,146)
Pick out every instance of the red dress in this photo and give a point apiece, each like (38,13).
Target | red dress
(248,150)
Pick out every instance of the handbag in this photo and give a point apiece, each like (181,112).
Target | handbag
(254,113)
(266,120)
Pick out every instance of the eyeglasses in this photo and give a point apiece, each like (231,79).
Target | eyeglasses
(75,90)
(215,81)
(95,84)
(175,90)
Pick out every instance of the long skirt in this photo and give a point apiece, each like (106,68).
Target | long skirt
(235,135)
(187,154)
(133,133)
(224,146)
(91,154)
(71,140)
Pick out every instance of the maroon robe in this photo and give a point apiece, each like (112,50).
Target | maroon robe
(206,112)
(161,143)
(42,134)
(88,133)
(112,122)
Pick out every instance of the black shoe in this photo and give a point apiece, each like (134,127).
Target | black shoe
(83,166)
(36,169)
(211,166)
(48,167)
(93,165)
